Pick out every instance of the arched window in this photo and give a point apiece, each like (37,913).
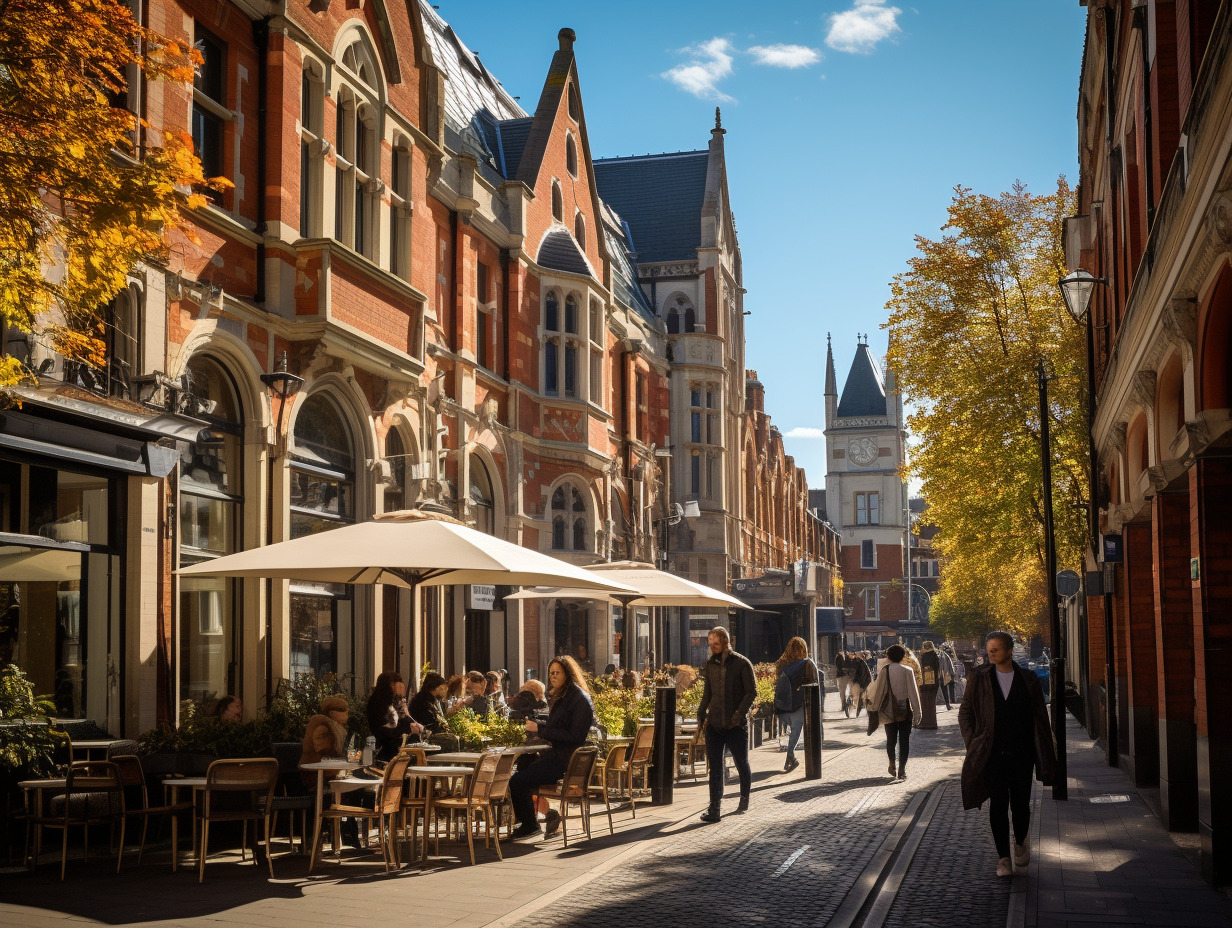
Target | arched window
(673,322)
(680,316)
(569,528)
(322,498)
(395,454)
(400,210)
(690,319)
(575,109)
(481,497)
(311,148)
(571,155)
(211,514)
(558,203)
(579,230)
(357,151)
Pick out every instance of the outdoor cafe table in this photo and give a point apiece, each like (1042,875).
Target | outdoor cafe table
(173,785)
(456,757)
(336,764)
(436,773)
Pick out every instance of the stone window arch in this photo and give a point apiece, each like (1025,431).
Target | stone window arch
(570,518)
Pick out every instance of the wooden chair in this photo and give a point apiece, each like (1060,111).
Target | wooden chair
(237,790)
(387,811)
(93,795)
(137,800)
(574,789)
(414,797)
(498,798)
(604,767)
(637,758)
(476,802)
(695,750)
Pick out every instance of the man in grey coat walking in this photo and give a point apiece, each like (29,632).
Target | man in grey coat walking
(728,691)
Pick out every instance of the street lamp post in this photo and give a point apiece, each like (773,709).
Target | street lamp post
(1060,788)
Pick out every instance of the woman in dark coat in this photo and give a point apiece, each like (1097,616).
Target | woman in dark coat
(930,668)
(569,721)
(426,707)
(388,719)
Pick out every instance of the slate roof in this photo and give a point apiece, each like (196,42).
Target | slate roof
(560,252)
(863,393)
(660,197)
(624,278)
(504,139)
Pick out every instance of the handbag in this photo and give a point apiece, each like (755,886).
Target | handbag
(902,707)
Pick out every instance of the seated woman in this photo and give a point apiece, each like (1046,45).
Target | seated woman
(326,735)
(527,702)
(453,691)
(426,707)
(569,720)
(496,693)
(388,718)
(228,709)
(476,698)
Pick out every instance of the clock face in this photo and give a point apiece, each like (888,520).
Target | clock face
(862,450)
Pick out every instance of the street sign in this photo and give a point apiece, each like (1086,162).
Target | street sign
(1068,582)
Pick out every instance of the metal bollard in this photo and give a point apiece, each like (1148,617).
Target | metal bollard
(663,768)
(812,731)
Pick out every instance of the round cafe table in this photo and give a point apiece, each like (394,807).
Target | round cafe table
(337,765)
(434,774)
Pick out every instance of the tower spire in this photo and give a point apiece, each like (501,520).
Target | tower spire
(831,381)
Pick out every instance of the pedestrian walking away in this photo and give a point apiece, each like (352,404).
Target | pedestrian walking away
(861,679)
(894,702)
(947,676)
(843,665)
(1004,724)
(930,671)
(795,669)
(728,690)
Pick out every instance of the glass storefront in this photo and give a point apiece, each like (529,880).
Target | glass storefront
(61,585)
(211,511)
(322,498)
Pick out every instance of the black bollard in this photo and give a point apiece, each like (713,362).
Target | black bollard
(812,731)
(663,766)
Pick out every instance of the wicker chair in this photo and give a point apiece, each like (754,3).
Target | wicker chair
(574,789)
(636,758)
(476,802)
(237,790)
(604,767)
(137,800)
(414,797)
(498,797)
(694,750)
(386,813)
(93,795)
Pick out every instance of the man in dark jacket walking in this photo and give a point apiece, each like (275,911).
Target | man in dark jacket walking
(728,691)
(1005,726)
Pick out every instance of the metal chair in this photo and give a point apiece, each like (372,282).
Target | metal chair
(93,795)
(574,789)
(387,811)
(237,790)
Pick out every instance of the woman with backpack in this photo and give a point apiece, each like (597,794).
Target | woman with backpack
(794,669)
(894,701)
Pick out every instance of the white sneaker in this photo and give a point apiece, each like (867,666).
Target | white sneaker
(1004,867)
(1022,852)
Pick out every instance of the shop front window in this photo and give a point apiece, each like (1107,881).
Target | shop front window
(61,587)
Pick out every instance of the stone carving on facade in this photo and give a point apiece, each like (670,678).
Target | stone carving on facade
(702,352)
(1142,390)
(1116,437)
(1180,321)
(1219,220)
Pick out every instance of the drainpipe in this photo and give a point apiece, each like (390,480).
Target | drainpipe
(1140,24)
(260,35)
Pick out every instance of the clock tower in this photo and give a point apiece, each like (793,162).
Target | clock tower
(866,495)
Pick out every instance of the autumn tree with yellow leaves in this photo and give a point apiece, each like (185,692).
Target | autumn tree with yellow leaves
(970,319)
(86,190)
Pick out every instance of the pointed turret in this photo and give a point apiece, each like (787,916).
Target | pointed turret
(864,392)
(831,393)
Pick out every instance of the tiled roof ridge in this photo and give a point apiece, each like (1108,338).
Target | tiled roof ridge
(618,159)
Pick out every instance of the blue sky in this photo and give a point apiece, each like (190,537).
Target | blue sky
(849,122)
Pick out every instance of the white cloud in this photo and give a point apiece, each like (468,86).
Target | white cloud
(804,431)
(863,26)
(710,62)
(785,56)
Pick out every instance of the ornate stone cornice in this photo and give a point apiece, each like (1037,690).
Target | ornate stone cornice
(1179,320)
(1142,390)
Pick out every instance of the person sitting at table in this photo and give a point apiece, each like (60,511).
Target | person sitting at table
(228,709)
(326,735)
(528,701)
(426,707)
(496,694)
(569,720)
(453,691)
(476,699)
(388,717)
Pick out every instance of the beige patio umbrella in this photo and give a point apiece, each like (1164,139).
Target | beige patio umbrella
(652,587)
(408,549)
(19,564)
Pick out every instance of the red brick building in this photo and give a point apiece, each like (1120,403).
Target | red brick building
(1154,224)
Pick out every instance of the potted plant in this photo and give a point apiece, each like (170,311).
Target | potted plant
(30,746)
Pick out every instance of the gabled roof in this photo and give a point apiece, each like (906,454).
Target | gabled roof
(660,197)
(505,140)
(559,252)
(863,393)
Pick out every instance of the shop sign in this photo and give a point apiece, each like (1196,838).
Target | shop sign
(483,596)
(771,588)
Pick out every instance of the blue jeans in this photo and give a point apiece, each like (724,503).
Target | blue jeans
(736,740)
(795,721)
